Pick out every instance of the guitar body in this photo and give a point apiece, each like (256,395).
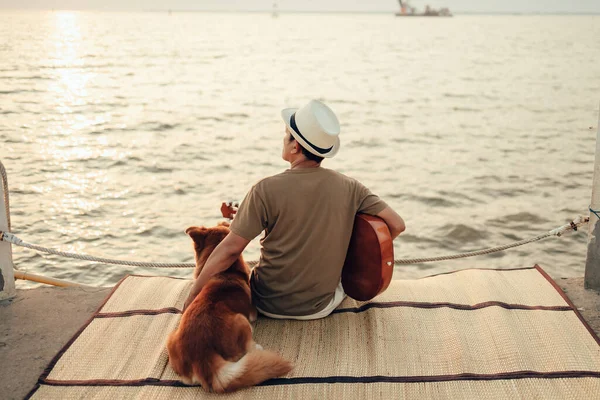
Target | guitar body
(369,262)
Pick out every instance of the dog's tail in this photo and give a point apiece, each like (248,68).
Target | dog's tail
(255,367)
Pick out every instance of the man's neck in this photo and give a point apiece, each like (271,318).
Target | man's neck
(303,163)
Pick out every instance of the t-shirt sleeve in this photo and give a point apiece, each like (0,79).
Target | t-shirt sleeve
(251,218)
(369,203)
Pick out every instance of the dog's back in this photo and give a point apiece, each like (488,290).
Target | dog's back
(213,344)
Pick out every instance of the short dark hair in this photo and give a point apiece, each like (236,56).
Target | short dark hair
(310,155)
(307,153)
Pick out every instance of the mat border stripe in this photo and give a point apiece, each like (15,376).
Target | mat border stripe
(343,379)
(43,379)
(465,307)
(366,307)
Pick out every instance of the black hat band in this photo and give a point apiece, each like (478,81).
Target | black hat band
(319,150)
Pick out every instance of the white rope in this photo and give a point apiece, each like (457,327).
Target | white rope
(9,237)
(576,223)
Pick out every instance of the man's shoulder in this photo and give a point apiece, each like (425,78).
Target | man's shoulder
(265,183)
(268,180)
(343,177)
(283,178)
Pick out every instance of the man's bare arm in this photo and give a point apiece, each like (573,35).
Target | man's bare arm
(393,221)
(221,258)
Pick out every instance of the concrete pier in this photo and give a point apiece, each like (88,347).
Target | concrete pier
(37,323)
(587,301)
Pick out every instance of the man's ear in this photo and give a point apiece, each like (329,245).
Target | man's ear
(196,232)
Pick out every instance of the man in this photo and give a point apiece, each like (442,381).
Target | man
(307,213)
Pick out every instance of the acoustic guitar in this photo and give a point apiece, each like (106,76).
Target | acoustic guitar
(369,263)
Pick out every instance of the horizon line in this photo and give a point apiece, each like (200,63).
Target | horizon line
(279,11)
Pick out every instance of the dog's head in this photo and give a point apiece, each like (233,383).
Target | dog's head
(205,241)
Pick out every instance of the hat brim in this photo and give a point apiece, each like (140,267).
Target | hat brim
(286,114)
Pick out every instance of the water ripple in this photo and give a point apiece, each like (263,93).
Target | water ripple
(141,135)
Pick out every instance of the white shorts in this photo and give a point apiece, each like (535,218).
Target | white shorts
(338,296)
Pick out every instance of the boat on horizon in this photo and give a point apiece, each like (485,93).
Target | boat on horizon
(406,10)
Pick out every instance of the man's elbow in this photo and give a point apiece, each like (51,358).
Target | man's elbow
(397,229)
(394,222)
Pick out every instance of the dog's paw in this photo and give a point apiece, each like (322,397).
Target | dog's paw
(253,316)
(186,380)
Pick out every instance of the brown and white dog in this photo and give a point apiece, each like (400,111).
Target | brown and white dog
(213,344)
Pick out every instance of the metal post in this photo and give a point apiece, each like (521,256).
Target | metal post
(592,264)
(7,278)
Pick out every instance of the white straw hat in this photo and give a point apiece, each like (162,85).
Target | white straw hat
(315,127)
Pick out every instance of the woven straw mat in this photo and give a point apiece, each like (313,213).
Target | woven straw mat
(471,334)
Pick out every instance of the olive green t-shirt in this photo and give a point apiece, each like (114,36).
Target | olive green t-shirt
(307,215)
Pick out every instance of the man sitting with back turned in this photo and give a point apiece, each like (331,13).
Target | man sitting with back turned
(307,213)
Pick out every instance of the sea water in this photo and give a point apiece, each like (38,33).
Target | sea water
(120,130)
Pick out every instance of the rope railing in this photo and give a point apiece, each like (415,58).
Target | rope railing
(572,226)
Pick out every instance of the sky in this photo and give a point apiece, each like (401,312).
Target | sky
(484,6)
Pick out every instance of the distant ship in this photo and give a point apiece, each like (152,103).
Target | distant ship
(407,11)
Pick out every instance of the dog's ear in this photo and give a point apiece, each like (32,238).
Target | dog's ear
(196,232)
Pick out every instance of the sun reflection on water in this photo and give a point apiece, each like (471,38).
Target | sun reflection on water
(70,86)
(68,142)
